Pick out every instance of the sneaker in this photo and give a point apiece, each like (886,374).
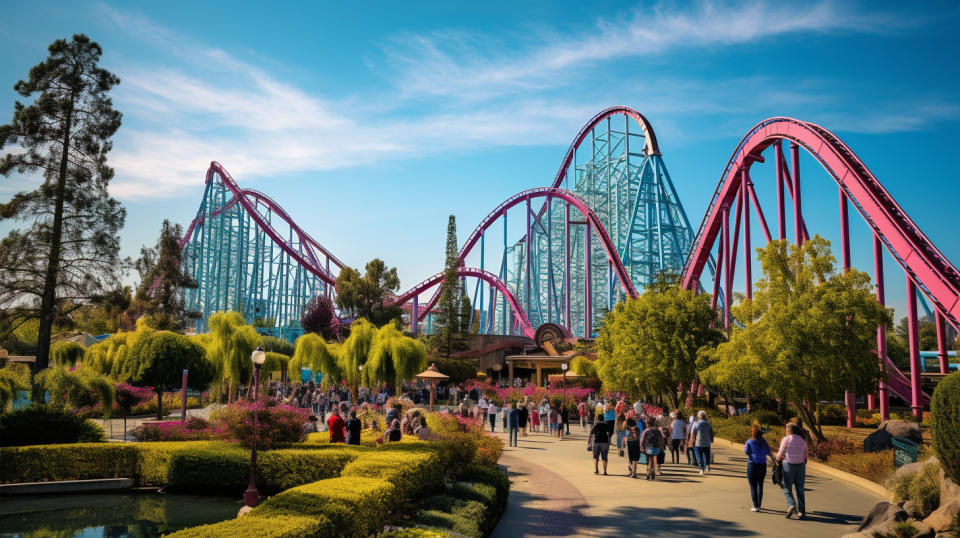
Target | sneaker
(801,516)
(790,511)
(754,509)
(701,472)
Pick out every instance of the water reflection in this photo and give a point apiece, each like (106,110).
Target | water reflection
(110,515)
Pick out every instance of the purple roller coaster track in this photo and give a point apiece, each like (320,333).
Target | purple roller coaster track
(248,253)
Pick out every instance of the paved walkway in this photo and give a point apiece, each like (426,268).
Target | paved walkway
(555,493)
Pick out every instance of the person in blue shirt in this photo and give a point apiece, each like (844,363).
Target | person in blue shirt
(757,451)
(513,421)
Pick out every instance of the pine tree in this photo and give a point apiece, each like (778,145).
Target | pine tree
(68,250)
(162,281)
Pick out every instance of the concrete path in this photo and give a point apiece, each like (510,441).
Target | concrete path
(555,493)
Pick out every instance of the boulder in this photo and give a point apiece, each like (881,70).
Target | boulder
(878,441)
(900,428)
(244,511)
(943,517)
(882,513)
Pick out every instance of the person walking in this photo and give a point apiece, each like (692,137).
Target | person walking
(632,443)
(757,451)
(582,410)
(545,416)
(620,429)
(524,417)
(534,417)
(492,414)
(678,433)
(599,439)
(793,455)
(652,444)
(513,422)
(701,437)
(609,415)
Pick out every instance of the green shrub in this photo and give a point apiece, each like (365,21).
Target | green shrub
(413,472)
(945,424)
(280,526)
(832,414)
(46,425)
(921,486)
(490,477)
(457,523)
(67,462)
(904,529)
(355,505)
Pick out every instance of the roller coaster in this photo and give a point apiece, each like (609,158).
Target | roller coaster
(566,253)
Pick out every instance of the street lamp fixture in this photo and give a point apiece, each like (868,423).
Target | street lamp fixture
(251,496)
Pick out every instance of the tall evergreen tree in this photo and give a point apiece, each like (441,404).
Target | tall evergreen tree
(68,250)
(449,326)
(162,281)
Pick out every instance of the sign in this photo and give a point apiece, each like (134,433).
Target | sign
(904,451)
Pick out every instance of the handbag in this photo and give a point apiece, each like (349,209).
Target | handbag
(777,474)
(643,459)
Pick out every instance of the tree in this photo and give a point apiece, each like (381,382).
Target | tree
(393,357)
(809,333)
(648,345)
(66,353)
(451,310)
(162,281)
(106,313)
(319,317)
(369,296)
(68,253)
(229,346)
(277,345)
(163,359)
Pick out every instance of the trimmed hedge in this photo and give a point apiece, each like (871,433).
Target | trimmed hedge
(197,466)
(46,425)
(413,473)
(278,526)
(354,505)
(945,424)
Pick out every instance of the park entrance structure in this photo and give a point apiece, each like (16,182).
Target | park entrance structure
(248,255)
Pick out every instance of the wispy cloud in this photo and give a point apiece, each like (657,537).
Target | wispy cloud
(199,103)
(466,66)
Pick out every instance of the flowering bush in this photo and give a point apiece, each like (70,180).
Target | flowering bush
(822,450)
(193,429)
(276,423)
(142,401)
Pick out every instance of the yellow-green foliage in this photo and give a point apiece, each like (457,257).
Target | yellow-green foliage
(415,533)
(107,356)
(393,357)
(79,461)
(277,526)
(274,362)
(921,486)
(229,348)
(75,388)
(66,353)
(584,366)
(313,352)
(355,505)
(413,468)
(14,377)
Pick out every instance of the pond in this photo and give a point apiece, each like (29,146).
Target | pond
(139,514)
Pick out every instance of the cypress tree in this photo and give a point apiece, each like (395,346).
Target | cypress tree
(450,336)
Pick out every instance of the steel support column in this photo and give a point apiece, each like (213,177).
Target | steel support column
(797,215)
(914,343)
(781,212)
(881,330)
(727,276)
(588,284)
(747,261)
(849,397)
(942,342)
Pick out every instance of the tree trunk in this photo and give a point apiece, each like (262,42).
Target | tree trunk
(811,422)
(159,402)
(49,298)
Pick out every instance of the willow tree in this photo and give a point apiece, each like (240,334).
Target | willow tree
(14,378)
(313,352)
(230,345)
(809,332)
(393,357)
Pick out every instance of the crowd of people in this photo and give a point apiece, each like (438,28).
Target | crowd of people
(644,435)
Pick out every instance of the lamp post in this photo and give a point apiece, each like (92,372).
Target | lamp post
(251,496)
(564,381)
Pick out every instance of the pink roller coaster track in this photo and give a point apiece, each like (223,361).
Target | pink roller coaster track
(520,317)
(521,197)
(249,200)
(925,266)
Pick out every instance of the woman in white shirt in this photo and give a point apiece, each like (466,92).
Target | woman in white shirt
(678,432)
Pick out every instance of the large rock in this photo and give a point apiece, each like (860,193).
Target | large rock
(900,428)
(881,514)
(943,517)
(878,441)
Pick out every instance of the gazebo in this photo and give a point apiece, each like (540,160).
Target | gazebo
(434,376)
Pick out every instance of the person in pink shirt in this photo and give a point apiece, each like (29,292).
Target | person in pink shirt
(793,455)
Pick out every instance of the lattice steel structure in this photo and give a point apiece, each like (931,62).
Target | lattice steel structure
(248,255)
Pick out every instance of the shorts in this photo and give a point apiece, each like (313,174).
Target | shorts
(553,426)
(653,451)
(601,451)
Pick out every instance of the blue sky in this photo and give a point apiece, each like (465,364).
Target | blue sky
(372,122)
